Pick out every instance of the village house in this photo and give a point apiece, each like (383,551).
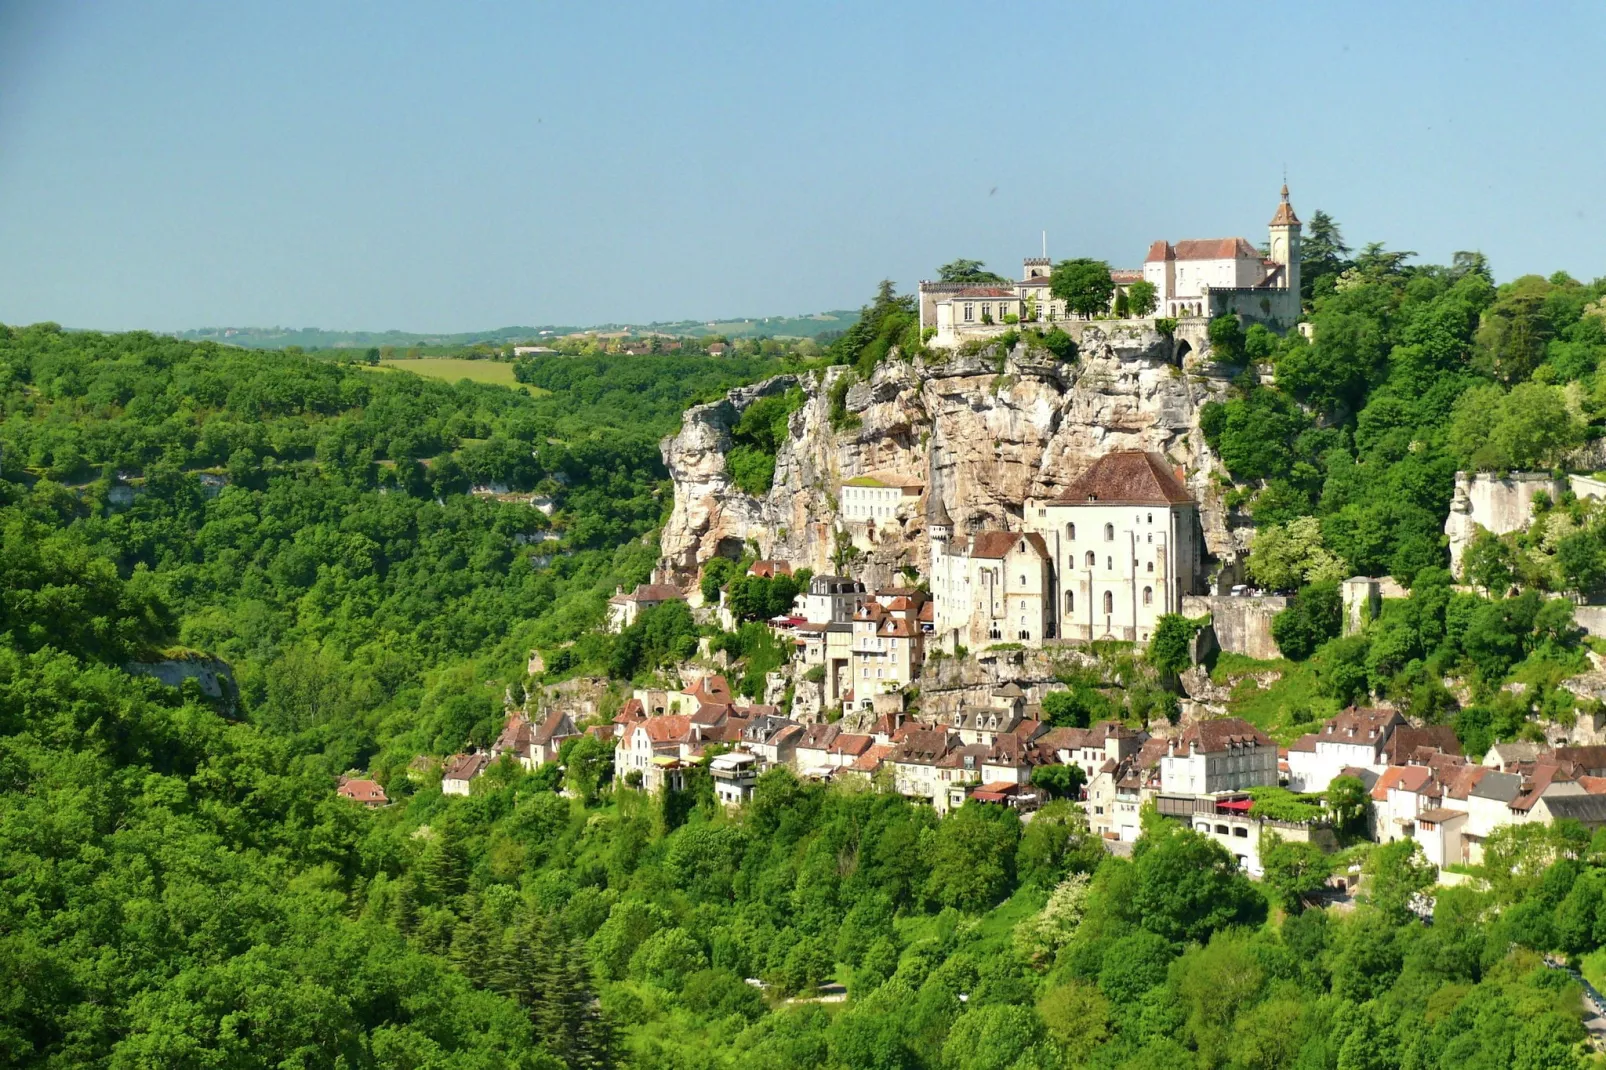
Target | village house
(460,770)
(534,744)
(734,776)
(878,498)
(361,790)
(829,600)
(1220,754)
(652,748)
(888,646)
(1124,547)
(1090,748)
(1355,737)
(623,609)
(992,587)
(1115,794)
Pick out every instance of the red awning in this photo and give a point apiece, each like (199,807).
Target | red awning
(1240,805)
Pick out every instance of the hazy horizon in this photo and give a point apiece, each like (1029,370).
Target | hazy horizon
(426,168)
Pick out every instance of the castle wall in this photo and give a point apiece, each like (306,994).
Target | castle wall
(1243,624)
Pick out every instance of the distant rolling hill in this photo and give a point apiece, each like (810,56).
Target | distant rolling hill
(318,338)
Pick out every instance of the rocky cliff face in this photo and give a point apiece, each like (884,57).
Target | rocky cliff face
(991,429)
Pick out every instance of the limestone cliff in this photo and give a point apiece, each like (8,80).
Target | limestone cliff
(991,428)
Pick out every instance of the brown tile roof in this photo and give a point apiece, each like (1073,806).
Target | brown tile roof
(897,628)
(1439,815)
(1160,250)
(557,726)
(985,291)
(1216,249)
(1360,725)
(515,735)
(713,688)
(632,710)
(928,613)
(1409,744)
(1411,778)
(1593,785)
(997,544)
(1128,477)
(655,592)
(1591,760)
(922,746)
(1306,742)
(1126,275)
(465,766)
(871,760)
(1544,775)
(1285,212)
(850,743)
(819,736)
(710,714)
(1220,733)
(768,569)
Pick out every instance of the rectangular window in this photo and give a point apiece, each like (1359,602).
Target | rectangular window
(970,312)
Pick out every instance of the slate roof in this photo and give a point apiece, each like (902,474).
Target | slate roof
(1501,787)
(1128,477)
(1578,807)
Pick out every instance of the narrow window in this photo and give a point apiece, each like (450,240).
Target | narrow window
(1090,559)
(1109,532)
(1148,595)
(1109,564)
(1070,601)
(1070,532)
(1109,602)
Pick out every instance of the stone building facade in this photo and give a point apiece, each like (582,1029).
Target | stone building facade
(1124,544)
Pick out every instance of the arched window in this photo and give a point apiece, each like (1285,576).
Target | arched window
(1151,518)
(1090,559)
(1070,532)
(1109,602)
(1023,579)
(1109,532)
(1070,601)
(1151,566)
(1148,595)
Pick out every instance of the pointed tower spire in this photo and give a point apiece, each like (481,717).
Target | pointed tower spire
(1285,212)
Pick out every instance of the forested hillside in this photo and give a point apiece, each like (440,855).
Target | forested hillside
(362,597)
(180,887)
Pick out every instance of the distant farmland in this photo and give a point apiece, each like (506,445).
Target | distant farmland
(452,369)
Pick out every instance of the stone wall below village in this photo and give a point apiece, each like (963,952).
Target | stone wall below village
(1242,624)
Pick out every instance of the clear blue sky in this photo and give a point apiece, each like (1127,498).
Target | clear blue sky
(461,166)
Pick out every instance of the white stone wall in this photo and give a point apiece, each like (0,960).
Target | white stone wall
(1143,559)
(1483,500)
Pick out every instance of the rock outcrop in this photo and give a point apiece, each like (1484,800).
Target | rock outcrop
(992,428)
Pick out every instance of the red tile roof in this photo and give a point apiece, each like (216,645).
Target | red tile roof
(655,592)
(667,727)
(1158,251)
(367,792)
(985,291)
(1128,477)
(557,726)
(851,743)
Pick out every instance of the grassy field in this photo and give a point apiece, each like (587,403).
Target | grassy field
(452,369)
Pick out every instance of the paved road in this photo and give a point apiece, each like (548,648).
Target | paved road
(1594,1002)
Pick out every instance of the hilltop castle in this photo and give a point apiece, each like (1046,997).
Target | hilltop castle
(1193,278)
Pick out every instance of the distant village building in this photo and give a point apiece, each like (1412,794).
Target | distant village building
(1192,279)
(877,498)
(1221,276)
(623,609)
(1124,547)
(460,770)
(367,792)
